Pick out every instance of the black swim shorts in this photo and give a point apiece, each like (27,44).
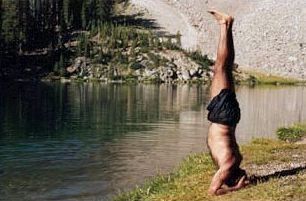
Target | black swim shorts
(224,108)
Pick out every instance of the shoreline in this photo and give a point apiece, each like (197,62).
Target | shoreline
(251,78)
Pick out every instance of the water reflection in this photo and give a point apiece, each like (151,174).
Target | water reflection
(264,109)
(86,141)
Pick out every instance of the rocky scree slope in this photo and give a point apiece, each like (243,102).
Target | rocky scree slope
(270,35)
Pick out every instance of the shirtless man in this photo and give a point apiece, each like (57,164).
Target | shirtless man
(224,113)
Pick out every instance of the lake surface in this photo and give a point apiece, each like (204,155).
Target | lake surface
(88,141)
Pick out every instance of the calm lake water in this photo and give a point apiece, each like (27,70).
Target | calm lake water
(88,141)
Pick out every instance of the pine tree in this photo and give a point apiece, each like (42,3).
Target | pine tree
(85,7)
(1,11)
(61,65)
(32,25)
(1,40)
(76,7)
(9,23)
(67,14)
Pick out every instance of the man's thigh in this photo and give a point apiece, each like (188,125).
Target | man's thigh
(220,81)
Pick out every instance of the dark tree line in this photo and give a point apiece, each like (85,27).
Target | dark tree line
(33,32)
(31,24)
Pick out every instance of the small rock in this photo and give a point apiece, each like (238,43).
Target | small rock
(186,75)
(192,72)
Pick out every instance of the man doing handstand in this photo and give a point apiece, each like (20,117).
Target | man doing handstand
(224,113)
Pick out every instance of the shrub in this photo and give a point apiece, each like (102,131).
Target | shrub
(200,59)
(136,66)
(291,134)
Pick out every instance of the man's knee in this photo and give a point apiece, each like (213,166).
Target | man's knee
(219,69)
(221,74)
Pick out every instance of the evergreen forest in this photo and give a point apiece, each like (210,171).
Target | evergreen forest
(84,39)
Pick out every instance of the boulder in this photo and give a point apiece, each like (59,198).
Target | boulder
(79,62)
(169,73)
(163,77)
(185,75)
(150,73)
(193,72)
(147,64)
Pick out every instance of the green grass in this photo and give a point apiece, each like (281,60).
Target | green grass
(256,77)
(293,133)
(190,181)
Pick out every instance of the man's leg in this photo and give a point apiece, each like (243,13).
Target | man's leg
(223,78)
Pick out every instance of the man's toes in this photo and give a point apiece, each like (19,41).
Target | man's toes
(211,12)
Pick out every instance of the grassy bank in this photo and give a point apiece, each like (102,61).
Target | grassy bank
(190,181)
(248,76)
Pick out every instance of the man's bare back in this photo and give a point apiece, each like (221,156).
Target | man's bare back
(225,154)
(224,113)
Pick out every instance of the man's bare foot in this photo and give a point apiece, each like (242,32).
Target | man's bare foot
(222,18)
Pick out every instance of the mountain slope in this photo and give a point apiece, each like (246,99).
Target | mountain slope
(270,35)
(171,20)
